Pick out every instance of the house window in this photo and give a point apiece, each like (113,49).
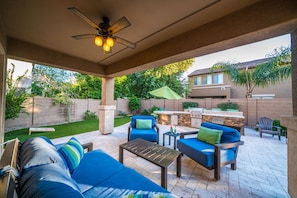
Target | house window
(197,80)
(218,79)
(203,80)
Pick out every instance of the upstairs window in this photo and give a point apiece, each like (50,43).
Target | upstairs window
(209,79)
(203,80)
(218,79)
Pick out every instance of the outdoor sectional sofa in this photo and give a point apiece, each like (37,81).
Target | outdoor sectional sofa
(45,170)
(215,146)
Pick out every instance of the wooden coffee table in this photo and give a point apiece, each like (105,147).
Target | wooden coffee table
(154,153)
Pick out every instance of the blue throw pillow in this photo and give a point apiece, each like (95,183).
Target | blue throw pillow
(72,152)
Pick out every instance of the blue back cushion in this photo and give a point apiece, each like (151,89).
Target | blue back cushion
(229,134)
(133,120)
(39,151)
(47,181)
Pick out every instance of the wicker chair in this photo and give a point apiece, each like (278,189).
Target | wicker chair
(266,126)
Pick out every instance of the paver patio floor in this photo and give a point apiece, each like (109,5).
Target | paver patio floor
(261,166)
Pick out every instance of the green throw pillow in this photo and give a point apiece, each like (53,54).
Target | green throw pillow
(143,124)
(211,136)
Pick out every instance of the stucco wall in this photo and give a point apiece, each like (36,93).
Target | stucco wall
(42,111)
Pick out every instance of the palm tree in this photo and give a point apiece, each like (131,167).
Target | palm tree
(275,70)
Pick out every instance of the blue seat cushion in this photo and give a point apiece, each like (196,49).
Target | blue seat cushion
(229,134)
(147,134)
(144,117)
(125,182)
(47,181)
(95,167)
(203,152)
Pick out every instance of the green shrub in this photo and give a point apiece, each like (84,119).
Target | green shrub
(88,115)
(145,112)
(187,105)
(277,123)
(150,110)
(134,103)
(228,105)
(153,108)
(122,113)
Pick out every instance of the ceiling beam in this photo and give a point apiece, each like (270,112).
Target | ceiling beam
(260,21)
(17,49)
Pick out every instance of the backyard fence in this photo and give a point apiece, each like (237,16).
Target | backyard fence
(42,111)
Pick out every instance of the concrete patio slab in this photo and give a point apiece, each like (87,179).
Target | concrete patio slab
(261,166)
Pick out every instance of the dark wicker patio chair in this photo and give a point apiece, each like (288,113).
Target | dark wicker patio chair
(266,126)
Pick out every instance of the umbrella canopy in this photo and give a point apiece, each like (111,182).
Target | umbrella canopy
(165,92)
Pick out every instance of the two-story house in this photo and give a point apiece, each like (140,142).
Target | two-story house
(205,84)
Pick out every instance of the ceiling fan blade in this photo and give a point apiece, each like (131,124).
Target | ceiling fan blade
(124,42)
(84,36)
(83,17)
(119,25)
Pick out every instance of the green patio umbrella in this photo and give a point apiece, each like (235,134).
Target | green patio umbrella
(165,92)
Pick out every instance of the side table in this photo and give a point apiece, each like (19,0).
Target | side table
(174,135)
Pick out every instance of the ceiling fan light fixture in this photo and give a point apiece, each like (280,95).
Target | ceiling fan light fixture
(98,41)
(109,41)
(106,47)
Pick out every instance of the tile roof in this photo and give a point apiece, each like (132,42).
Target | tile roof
(243,65)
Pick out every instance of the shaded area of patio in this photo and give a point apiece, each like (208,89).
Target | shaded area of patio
(261,166)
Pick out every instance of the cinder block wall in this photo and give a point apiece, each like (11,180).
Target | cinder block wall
(42,111)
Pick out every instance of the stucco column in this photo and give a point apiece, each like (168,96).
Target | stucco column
(291,123)
(2,97)
(107,107)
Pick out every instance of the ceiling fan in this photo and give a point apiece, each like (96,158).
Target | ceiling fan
(105,36)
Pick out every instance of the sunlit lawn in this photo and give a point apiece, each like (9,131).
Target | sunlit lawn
(63,129)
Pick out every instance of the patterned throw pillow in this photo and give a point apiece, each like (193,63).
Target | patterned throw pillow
(72,152)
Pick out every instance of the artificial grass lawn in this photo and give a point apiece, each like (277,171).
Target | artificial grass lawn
(63,130)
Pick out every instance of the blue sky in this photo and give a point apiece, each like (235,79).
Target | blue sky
(243,53)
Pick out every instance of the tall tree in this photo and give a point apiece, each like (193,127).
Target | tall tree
(50,81)
(15,98)
(54,83)
(277,69)
(87,86)
(141,83)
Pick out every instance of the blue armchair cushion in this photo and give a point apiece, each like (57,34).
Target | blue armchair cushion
(229,134)
(211,136)
(142,117)
(143,123)
(147,134)
(72,153)
(203,152)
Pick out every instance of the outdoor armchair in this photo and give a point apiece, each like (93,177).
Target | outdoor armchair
(209,154)
(144,127)
(266,126)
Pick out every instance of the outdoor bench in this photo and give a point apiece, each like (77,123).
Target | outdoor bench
(38,168)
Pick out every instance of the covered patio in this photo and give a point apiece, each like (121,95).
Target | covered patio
(261,166)
(164,32)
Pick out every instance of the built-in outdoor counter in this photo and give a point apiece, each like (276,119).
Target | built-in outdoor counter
(184,118)
(228,118)
(178,118)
